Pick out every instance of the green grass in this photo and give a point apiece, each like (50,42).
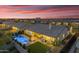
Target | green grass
(4,37)
(37,47)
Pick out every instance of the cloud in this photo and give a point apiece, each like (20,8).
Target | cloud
(24,11)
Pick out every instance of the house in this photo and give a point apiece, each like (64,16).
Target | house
(57,32)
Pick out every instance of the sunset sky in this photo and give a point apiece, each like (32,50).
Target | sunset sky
(42,11)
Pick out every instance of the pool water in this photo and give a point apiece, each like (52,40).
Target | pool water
(21,39)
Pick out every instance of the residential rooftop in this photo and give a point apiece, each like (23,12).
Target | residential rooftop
(41,28)
(44,29)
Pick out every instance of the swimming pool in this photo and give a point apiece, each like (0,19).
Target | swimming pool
(21,39)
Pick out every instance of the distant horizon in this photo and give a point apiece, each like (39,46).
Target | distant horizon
(39,18)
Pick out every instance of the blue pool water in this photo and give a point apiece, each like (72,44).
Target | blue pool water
(21,39)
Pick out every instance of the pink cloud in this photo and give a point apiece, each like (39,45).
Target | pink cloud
(36,11)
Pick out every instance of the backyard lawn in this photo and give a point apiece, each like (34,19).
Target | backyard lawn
(37,47)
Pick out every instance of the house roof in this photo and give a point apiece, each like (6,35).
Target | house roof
(43,28)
